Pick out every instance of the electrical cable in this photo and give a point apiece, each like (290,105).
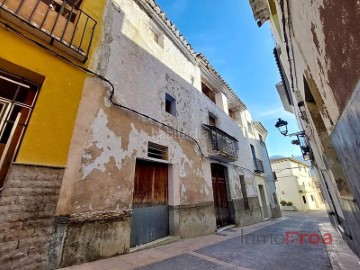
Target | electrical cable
(112,93)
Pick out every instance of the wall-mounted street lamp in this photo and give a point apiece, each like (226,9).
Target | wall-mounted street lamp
(281,125)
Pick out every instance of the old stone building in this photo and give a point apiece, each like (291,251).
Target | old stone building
(132,138)
(318,57)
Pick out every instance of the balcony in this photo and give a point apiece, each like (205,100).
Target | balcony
(259,166)
(58,22)
(223,146)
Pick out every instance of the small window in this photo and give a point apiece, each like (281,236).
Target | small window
(212,120)
(253,152)
(208,92)
(156,34)
(157,151)
(170,104)
(312,198)
(304,199)
(261,138)
(250,129)
(232,113)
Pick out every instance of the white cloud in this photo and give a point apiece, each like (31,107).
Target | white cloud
(272,113)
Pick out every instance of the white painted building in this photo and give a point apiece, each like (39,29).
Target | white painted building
(296,184)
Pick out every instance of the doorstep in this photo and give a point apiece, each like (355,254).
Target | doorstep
(221,229)
(156,243)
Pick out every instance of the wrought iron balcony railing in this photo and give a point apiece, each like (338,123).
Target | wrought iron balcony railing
(259,166)
(61,23)
(223,146)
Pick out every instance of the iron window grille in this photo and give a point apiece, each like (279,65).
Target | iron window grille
(157,151)
(259,166)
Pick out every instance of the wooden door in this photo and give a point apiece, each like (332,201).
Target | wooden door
(150,218)
(221,203)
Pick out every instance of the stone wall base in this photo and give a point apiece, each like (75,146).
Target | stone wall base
(89,237)
(244,217)
(27,208)
(276,212)
(192,219)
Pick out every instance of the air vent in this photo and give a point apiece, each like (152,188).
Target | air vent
(157,151)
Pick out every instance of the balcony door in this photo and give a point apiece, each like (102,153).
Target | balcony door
(221,203)
(17,98)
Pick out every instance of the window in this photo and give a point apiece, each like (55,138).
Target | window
(17,100)
(244,192)
(250,129)
(312,198)
(157,151)
(261,139)
(170,104)
(69,9)
(156,34)
(304,199)
(208,92)
(253,151)
(232,113)
(212,120)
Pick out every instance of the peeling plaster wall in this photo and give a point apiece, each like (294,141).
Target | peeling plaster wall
(107,140)
(323,42)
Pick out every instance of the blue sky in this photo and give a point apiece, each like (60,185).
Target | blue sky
(227,34)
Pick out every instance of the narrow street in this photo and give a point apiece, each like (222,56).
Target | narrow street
(260,246)
(261,249)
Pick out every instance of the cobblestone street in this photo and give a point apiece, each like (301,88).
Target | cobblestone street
(262,249)
(261,246)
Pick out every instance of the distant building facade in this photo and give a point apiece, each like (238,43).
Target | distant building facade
(318,57)
(295,184)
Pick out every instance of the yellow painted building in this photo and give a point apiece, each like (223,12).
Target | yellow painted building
(43,45)
(61,86)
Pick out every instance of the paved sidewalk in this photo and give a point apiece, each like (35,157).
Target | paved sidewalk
(341,256)
(183,247)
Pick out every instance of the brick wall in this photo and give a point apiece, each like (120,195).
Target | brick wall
(27,209)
